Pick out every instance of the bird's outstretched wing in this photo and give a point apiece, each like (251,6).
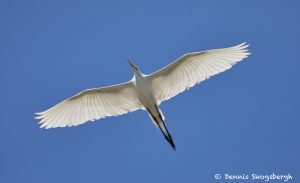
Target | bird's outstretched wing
(90,105)
(193,68)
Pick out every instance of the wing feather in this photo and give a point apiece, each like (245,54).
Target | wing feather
(90,105)
(193,68)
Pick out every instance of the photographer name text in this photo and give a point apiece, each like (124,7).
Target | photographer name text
(257,177)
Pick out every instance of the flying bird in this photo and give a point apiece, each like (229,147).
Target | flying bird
(144,92)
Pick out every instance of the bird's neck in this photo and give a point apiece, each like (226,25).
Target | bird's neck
(138,74)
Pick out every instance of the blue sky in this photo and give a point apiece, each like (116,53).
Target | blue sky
(245,120)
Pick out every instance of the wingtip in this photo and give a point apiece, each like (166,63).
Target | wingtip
(38,117)
(243,45)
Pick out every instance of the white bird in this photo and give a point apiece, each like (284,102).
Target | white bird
(143,91)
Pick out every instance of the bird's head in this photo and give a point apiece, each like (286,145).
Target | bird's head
(133,67)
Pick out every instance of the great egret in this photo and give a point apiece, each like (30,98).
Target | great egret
(143,91)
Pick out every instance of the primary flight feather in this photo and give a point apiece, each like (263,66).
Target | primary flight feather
(143,91)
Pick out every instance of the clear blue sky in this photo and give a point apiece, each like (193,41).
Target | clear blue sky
(245,120)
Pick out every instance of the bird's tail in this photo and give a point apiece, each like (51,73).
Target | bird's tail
(159,123)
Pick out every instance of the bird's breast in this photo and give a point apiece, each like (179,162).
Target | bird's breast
(144,92)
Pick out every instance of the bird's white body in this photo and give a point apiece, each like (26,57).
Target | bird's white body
(143,91)
(142,87)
